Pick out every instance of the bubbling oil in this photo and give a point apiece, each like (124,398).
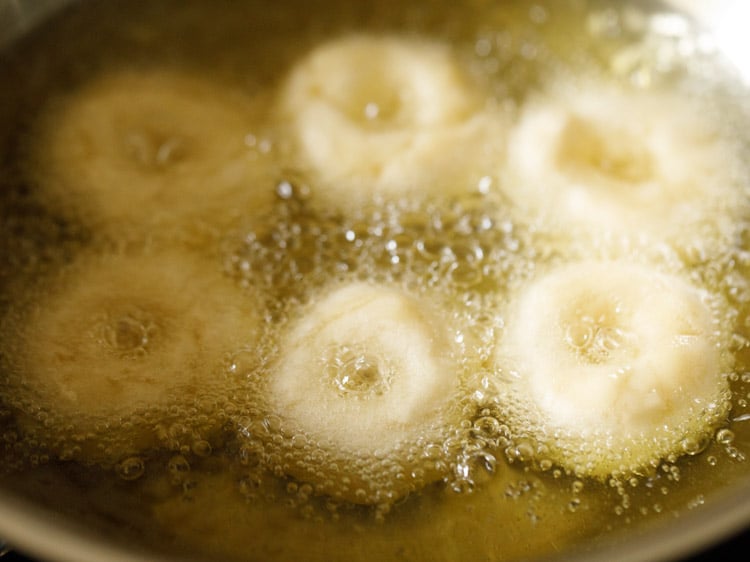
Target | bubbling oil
(452,252)
(214,469)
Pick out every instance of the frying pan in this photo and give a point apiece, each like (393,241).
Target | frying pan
(51,535)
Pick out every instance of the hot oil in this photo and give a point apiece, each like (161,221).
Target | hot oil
(212,475)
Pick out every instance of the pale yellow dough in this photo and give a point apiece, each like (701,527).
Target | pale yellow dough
(366,372)
(388,116)
(591,155)
(611,365)
(149,146)
(118,336)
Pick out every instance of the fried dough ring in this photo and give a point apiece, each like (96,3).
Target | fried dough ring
(367,380)
(612,365)
(116,338)
(387,116)
(149,147)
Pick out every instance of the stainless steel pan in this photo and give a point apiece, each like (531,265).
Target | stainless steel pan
(51,536)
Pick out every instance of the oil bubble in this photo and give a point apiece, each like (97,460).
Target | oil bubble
(131,468)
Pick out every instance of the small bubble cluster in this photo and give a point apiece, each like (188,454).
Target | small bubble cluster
(467,246)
